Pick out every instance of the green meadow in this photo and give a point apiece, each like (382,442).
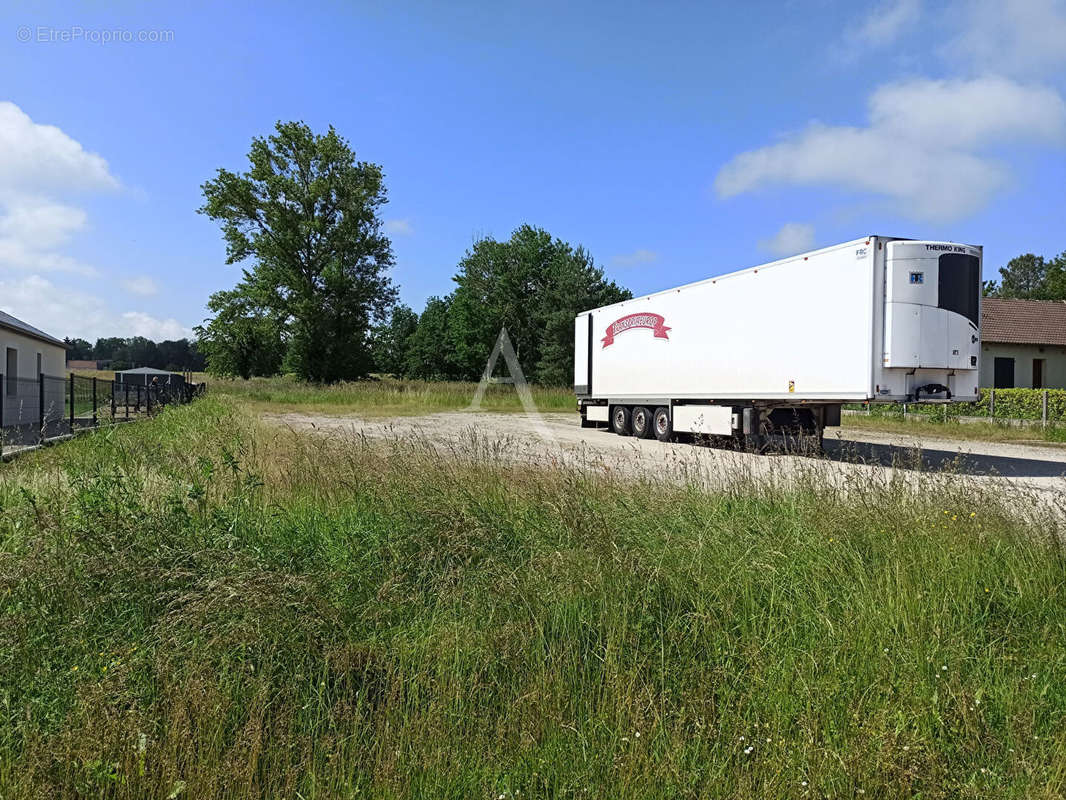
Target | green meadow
(202,606)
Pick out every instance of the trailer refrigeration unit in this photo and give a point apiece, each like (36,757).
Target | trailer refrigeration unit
(780,347)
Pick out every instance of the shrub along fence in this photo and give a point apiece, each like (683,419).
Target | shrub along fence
(34,410)
(1043,406)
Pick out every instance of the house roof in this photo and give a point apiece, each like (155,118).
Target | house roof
(1023,321)
(14,324)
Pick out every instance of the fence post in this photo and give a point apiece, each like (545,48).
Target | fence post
(94,401)
(3,402)
(1043,409)
(112,400)
(148,398)
(127,389)
(40,402)
(991,403)
(71,402)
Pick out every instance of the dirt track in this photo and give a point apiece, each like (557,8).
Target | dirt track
(850,454)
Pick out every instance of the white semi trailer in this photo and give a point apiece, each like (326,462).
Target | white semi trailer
(780,347)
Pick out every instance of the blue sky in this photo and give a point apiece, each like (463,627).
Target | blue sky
(674,141)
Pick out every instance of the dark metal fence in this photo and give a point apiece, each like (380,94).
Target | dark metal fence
(34,410)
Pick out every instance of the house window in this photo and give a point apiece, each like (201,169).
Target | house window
(1038,373)
(1003,377)
(12,371)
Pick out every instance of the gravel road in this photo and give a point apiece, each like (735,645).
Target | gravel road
(850,456)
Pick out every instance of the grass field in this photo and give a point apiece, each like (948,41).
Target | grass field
(387,396)
(397,397)
(964,431)
(200,607)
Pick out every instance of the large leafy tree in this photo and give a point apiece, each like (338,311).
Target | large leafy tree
(533,285)
(241,338)
(574,284)
(1055,278)
(78,349)
(1030,277)
(1023,277)
(305,218)
(430,354)
(109,348)
(392,340)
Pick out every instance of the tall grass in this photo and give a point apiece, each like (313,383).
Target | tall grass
(200,607)
(386,396)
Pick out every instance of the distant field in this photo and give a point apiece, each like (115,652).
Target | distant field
(102,374)
(390,397)
(965,431)
(109,374)
(201,607)
(386,396)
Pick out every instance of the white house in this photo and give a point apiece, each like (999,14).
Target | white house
(1023,343)
(28,353)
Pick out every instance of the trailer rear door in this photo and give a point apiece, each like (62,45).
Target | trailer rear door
(583,355)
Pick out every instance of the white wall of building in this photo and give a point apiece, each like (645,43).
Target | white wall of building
(21,400)
(1053,357)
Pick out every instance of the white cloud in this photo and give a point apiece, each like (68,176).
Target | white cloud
(15,255)
(636,258)
(137,323)
(969,114)
(885,23)
(39,158)
(1017,37)
(913,151)
(399,227)
(31,230)
(62,311)
(37,163)
(141,285)
(43,222)
(792,238)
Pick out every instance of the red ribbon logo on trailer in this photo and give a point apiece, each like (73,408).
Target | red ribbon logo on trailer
(641,320)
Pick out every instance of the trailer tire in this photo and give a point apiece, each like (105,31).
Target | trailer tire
(642,422)
(621,420)
(661,424)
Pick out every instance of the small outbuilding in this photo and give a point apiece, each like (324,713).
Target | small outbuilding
(28,353)
(1023,344)
(166,386)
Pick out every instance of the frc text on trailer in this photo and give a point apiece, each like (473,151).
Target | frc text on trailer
(780,347)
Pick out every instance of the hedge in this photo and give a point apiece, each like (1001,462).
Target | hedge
(1010,404)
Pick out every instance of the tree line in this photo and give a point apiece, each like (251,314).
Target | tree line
(1030,277)
(173,354)
(315,298)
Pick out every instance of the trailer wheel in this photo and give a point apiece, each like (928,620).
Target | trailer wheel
(620,420)
(641,421)
(662,425)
